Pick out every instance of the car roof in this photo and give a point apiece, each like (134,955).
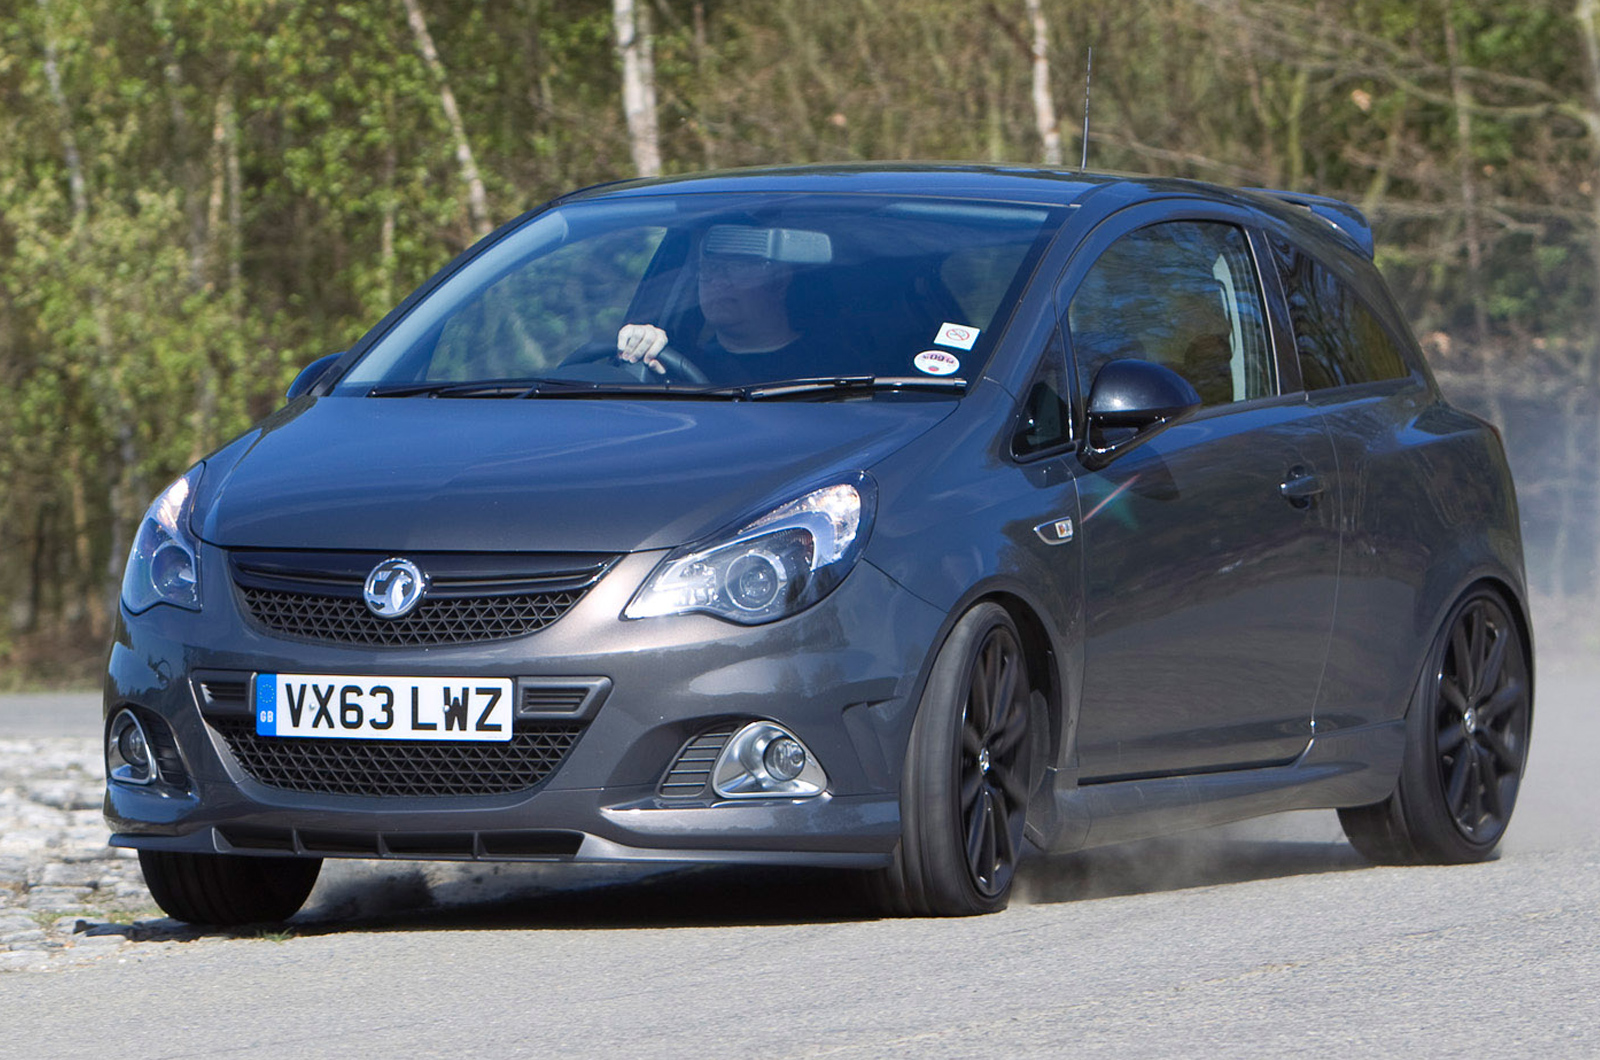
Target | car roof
(1341,221)
(960,180)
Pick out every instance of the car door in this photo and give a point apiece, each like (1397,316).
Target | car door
(1359,370)
(1211,551)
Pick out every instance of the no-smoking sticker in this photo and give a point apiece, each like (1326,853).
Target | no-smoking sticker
(958,335)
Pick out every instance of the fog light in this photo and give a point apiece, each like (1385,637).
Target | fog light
(784,758)
(128,756)
(134,750)
(763,760)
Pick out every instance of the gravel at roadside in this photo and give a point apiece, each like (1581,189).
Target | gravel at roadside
(65,896)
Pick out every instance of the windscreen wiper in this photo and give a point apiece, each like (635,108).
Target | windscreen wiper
(530,388)
(509,388)
(843,385)
(776,390)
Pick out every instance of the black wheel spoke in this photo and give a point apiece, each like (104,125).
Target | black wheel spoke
(1455,795)
(1462,655)
(1450,737)
(1489,782)
(1452,693)
(975,827)
(971,784)
(1014,786)
(1474,789)
(1004,694)
(971,741)
(1489,673)
(1505,759)
(1015,729)
(985,868)
(1478,621)
(1500,702)
(1005,851)
(979,707)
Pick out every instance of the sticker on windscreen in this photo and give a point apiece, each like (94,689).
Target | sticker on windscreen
(936,362)
(957,335)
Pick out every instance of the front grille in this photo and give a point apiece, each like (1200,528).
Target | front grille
(471,597)
(433,622)
(402,768)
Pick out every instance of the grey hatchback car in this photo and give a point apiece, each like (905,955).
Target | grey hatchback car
(889,518)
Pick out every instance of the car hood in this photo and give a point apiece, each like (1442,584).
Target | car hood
(611,475)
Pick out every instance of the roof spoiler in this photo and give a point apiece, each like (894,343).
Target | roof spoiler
(1346,219)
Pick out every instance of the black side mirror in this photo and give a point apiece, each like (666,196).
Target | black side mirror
(1129,402)
(310,374)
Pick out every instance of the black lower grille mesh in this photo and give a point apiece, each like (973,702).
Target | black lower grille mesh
(691,770)
(400,767)
(462,620)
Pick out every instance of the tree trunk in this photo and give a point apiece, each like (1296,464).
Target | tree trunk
(638,85)
(186,155)
(477,199)
(702,75)
(77,186)
(1044,108)
(230,132)
(1469,191)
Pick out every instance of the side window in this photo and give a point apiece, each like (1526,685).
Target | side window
(1046,416)
(1185,295)
(1339,339)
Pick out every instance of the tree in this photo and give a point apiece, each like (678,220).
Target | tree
(638,86)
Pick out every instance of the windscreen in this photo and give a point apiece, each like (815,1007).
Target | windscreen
(723,290)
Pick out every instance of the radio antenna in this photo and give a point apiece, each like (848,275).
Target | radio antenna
(1088,74)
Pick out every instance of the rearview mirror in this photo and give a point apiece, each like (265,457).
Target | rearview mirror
(310,374)
(1129,402)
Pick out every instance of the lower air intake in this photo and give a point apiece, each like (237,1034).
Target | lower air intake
(400,768)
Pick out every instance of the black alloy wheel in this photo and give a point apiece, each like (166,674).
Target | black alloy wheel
(994,786)
(1466,746)
(1481,720)
(968,774)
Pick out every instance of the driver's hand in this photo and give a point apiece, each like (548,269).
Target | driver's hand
(641,342)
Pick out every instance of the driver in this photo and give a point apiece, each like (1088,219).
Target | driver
(743,290)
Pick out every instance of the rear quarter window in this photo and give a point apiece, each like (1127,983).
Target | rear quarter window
(1339,338)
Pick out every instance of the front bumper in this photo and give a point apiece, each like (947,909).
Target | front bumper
(844,676)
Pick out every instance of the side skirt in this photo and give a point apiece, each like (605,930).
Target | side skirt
(1355,767)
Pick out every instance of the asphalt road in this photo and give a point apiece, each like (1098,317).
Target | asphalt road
(37,714)
(1263,939)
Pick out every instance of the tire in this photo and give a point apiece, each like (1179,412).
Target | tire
(968,774)
(222,890)
(1466,745)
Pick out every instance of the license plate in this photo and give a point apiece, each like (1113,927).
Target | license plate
(383,708)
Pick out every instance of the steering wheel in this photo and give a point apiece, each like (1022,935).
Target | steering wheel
(674,362)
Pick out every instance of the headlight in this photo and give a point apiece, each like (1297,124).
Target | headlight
(770,568)
(164,564)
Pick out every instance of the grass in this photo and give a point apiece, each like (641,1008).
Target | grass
(275,934)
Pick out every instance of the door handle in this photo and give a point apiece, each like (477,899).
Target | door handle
(1302,487)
